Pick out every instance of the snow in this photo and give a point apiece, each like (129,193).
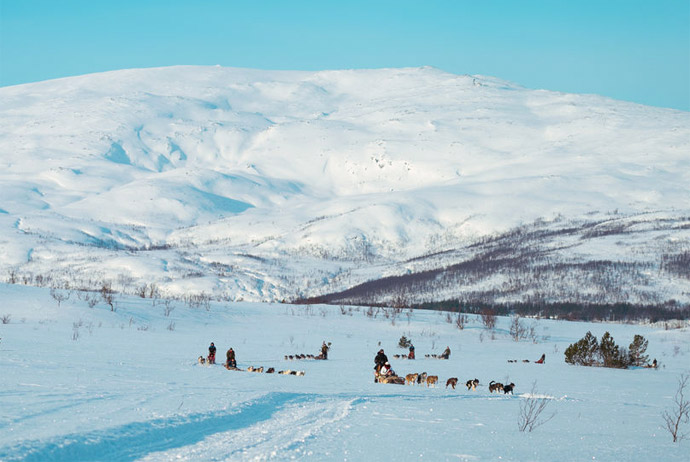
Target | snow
(319,175)
(81,383)
(261,186)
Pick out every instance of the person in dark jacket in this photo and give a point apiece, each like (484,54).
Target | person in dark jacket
(446,353)
(230,359)
(380,360)
(324,350)
(212,353)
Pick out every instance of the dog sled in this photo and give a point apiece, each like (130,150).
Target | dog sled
(394,379)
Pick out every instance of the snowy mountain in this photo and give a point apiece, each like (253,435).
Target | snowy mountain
(265,185)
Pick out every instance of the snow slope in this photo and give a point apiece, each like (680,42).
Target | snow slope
(81,383)
(267,185)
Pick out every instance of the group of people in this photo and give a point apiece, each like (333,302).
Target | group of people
(230,360)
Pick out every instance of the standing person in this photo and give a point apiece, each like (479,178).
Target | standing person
(380,360)
(542,359)
(230,359)
(212,353)
(324,350)
(446,353)
(410,355)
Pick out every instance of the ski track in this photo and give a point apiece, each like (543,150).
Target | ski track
(284,436)
(276,426)
(135,440)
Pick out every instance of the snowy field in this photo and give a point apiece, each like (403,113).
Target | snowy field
(81,383)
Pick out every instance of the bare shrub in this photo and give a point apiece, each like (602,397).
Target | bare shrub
(12,277)
(201,300)
(91,301)
(519,331)
(75,329)
(171,326)
(461,321)
(154,292)
(58,296)
(680,411)
(107,295)
(5,319)
(167,307)
(531,409)
(488,318)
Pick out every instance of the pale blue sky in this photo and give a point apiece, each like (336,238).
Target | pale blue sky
(634,50)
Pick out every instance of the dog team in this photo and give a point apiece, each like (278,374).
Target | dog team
(383,373)
(231,361)
(321,356)
(472,384)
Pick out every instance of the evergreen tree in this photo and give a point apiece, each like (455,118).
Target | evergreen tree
(583,352)
(636,351)
(610,354)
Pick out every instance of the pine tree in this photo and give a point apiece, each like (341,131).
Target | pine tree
(636,351)
(583,352)
(610,354)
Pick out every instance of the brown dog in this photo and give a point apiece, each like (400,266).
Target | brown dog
(411,379)
(431,380)
(452,382)
(495,386)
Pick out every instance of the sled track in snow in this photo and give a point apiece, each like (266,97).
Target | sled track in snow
(217,435)
(137,439)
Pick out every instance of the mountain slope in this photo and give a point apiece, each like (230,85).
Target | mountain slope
(267,185)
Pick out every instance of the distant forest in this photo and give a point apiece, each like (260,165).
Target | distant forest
(570,311)
(622,312)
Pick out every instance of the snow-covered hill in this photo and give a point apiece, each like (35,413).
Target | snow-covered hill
(263,185)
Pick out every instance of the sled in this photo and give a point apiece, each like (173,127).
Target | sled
(394,379)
